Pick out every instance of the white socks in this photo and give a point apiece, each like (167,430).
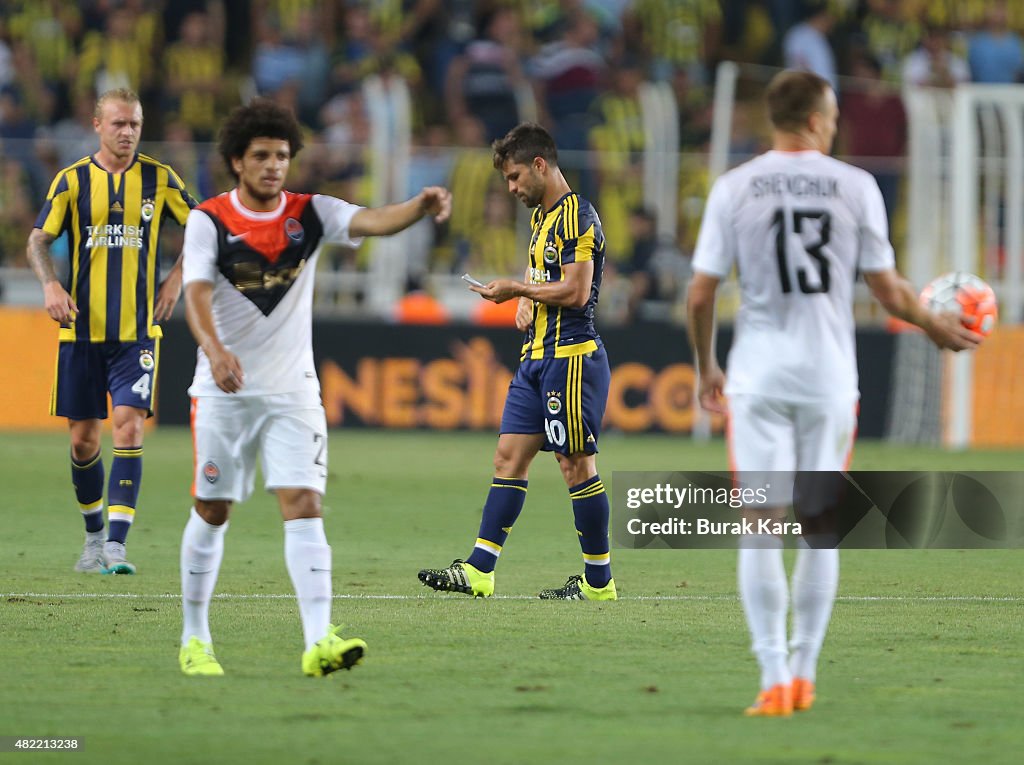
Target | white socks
(762,586)
(764,593)
(815,579)
(309,564)
(202,548)
(306,553)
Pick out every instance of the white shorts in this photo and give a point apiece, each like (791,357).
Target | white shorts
(769,435)
(288,431)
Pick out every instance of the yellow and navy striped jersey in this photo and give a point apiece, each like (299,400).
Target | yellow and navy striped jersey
(113,223)
(676,30)
(570,232)
(193,69)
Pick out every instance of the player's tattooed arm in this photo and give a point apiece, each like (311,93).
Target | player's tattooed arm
(57,301)
(39,255)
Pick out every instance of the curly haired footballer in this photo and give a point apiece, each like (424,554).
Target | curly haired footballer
(261,118)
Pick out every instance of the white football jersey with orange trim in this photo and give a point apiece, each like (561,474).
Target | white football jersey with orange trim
(262,266)
(798,226)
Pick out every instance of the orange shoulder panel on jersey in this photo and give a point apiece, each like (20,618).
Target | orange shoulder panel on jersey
(266,235)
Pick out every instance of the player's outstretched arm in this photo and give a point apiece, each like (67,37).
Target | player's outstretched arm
(390,219)
(700,312)
(56,299)
(898,297)
(224,365)
(169,292)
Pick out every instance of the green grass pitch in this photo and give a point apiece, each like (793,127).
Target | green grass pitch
(923,663)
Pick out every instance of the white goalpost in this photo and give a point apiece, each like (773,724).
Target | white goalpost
(965,213)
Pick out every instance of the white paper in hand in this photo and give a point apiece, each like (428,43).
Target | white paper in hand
(470,280)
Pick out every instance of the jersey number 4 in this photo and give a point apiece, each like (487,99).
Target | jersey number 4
(813,249)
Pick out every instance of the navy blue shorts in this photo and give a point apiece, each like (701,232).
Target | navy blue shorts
(562,398)
(87,371)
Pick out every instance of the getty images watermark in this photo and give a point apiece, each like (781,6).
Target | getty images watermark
(675,497)
(879,509)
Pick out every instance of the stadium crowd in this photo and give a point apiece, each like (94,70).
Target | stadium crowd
(473,69)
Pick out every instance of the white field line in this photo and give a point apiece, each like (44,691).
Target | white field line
(357,596)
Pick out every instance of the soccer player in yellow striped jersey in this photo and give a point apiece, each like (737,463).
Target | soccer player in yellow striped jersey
(557,398)
(111,205)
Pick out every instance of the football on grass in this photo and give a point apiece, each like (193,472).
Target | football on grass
(966,294)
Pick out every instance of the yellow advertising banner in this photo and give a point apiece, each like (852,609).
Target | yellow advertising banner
(999,389)
(28,347)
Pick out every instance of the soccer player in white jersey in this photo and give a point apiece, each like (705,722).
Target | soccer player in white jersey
(799,226)
(249,262)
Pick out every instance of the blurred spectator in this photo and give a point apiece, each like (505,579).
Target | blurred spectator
(934,64)
(73,137)
(114,57)
(569,75)
(995,54)
(276,62)
(356,45)
(147,25)
(486,80)
(195,77)
(619,141)
(472,175)
(386,61)
(181,151)
(431,160)
(236,45)
(750,33)
(806,46)
(639,267)
(174,14)
(297,59)
(492,247)
(964,14)
(294,17)
(694,113)
(16,213)
(889,36)
(873,128)
(676,34)
(50,30)
(6,58)
(38,98)
(346,136)
(16,127)
(419,29)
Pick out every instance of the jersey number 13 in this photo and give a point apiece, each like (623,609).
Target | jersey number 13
(813,249)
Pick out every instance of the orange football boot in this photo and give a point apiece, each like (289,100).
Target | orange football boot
(777,701)
(803,694)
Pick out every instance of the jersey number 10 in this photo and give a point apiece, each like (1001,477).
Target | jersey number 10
(814,250)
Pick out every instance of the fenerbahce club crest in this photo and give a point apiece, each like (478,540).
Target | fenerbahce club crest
(148,208)
(146,360)
(550,255)
(554,402)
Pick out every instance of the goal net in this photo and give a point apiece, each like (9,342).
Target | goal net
(965,195)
